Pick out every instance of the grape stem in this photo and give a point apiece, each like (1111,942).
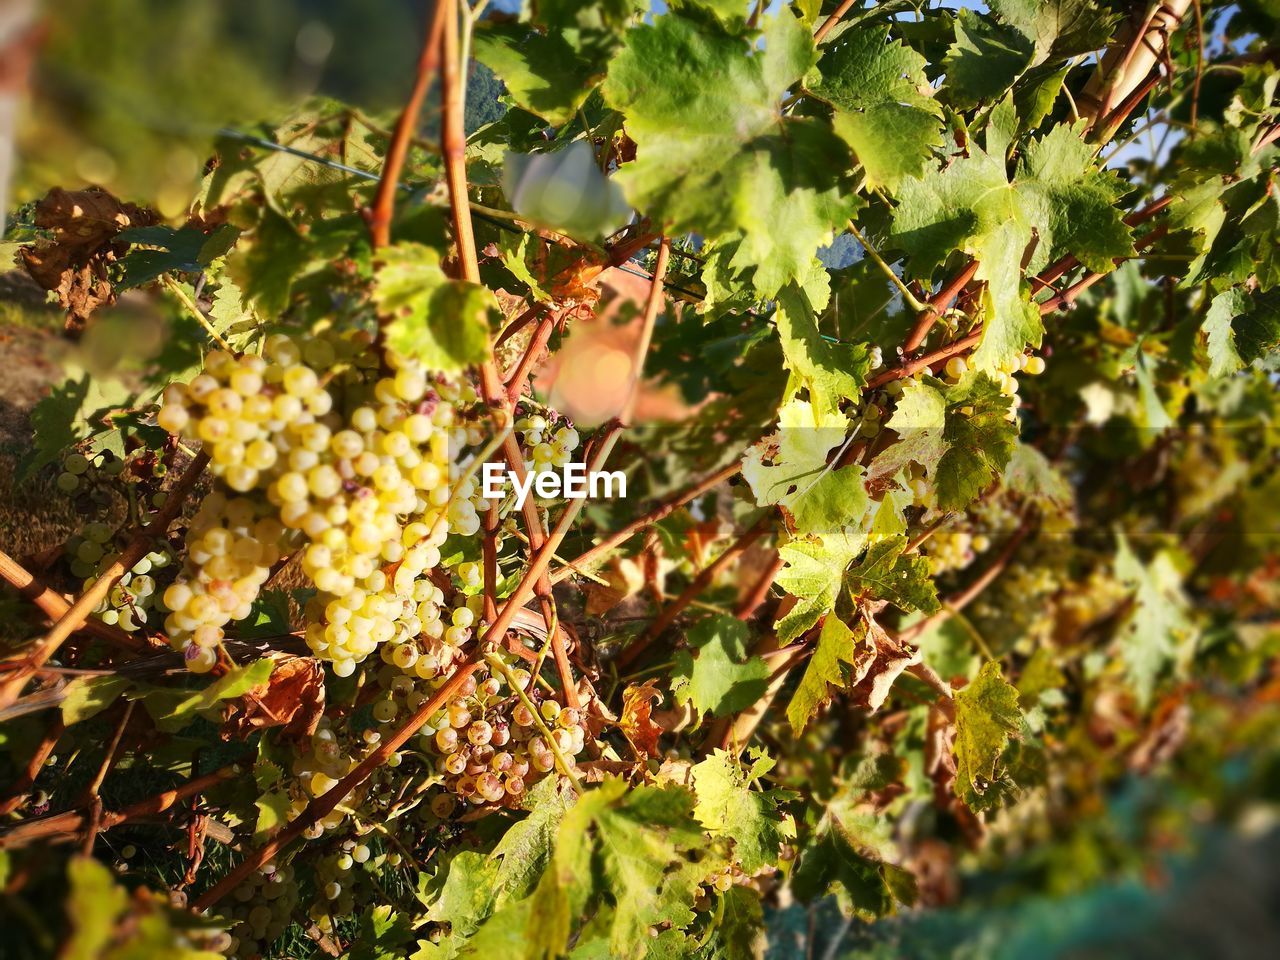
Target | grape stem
(699,584)
(66,826)
(195,311)
(402,137)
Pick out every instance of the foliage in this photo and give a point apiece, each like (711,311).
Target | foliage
(952,535)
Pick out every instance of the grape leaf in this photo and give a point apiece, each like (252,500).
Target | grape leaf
(1071,201)
(1057,194)
(960,435)
(831,372)
(835,650)
(461,892)
(813,572)
(886,574)
(862,68)
(818,496)
(884,110)
(984,60)
(174,709)
(526,847)
(542,71)
(715,156)
(891,141)
(1030,474)
(1157,627)
(86,697)
(442,322)
(188,249)
(839,859)
(728,807)
(1240,328)
(987,715)
(715,675)
(73,411)
(1058,28)
(631,842)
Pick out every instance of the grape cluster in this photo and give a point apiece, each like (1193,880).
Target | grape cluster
(232,544)
(487,745)
(83,472)
(136,597)
(98,475)
(261,908)
(957,367)
(368,496)
(549,448)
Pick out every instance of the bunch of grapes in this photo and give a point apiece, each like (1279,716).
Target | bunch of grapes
(101,475)
(232,544)
(261,908)
(85,472)
(489,748)
(1029,364)
(368,497)
(549,448)
(130,603)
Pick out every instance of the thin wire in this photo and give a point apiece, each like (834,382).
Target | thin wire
(265,144)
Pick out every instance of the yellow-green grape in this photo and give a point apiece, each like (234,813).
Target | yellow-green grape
(956,368)
(231,546)
(261,909)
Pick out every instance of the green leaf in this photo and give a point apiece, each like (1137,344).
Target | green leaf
(631,842)
(984,61)
(1157,627)
(885,573)
(1030,474)
(715,675)
(274,808)
(188,250)
(543,73)
(891,141)
(442,322)
(86,697)
(1241,327)
(461,892)
(526,847)
(381,934)
(987,715)
(839,860)
(835,651)
(863,68)
(813,573)
(728,807)
(1058,28)
(714,154)
(98,902)
(71,412)
(885,111)
(1058,195)
(831,372)
(174,709)
(791,470)
(960,435)
(1071,202)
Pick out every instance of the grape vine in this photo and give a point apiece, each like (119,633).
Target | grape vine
(944,406)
